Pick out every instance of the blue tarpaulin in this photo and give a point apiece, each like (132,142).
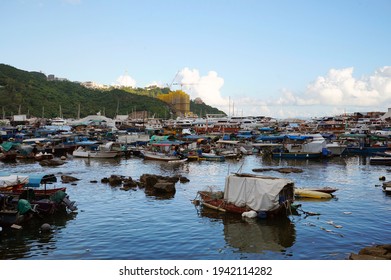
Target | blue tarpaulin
(36,180)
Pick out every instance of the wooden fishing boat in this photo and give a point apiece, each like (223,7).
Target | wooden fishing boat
(9,182)
(42,156)
(269,197)
(33,188)
(97,151)
(212,157)
(160,156)
(14,214)
(17,184)
(19,208)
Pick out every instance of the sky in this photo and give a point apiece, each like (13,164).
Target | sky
(280,58)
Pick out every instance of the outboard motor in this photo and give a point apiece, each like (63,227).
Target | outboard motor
(71,205)
(62,197)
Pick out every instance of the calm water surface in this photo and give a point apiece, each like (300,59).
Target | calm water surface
(115,224)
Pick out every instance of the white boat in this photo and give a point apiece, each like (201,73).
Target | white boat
(58,121)
(159,156)
(102,151)
(336,148)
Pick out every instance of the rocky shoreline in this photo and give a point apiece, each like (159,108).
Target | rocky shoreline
(376,252)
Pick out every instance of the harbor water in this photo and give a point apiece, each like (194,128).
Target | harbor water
(114,224)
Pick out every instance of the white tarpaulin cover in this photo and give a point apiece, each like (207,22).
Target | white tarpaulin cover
(258,193)
(10,180)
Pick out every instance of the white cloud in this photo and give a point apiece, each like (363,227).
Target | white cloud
(208,87)
(340,88)
(335,93)
(126,81)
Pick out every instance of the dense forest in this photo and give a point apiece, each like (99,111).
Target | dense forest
(30,93)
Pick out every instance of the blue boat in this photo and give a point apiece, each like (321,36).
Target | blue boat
(365,144)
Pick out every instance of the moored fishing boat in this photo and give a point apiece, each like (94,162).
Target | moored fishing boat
(364,144)
(212,157)
(268,197)
(97,151)
(164,149)
(18,183)
(336,148)
(159,156)
(302,147)
(14,214)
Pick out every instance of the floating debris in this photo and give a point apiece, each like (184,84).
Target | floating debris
(281,170)
(333,224)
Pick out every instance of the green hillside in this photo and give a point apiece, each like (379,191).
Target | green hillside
(32,94)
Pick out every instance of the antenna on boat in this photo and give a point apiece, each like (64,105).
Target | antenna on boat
(240,168)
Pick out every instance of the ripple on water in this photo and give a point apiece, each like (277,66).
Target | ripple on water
(116,224)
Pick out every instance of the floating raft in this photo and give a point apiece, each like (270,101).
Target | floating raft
(305,193)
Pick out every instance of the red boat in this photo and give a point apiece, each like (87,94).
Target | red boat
(17,184)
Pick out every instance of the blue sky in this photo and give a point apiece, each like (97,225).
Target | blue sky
(251,57)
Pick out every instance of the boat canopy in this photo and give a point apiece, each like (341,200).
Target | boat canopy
(35,180)
(299,137)
(270,138)
(6,146)
(266,129)
(157,138)
(257,192)
(7,180)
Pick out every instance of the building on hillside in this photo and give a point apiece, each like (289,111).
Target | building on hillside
(93,85)
(178,100)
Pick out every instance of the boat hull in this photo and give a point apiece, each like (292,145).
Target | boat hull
(336,150)
(379,160)
(159,156)
(366,151)
(97,154)
(297,155)
(304,193)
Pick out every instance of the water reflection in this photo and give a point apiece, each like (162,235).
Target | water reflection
(254,235)
(98,162)
(31,240)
